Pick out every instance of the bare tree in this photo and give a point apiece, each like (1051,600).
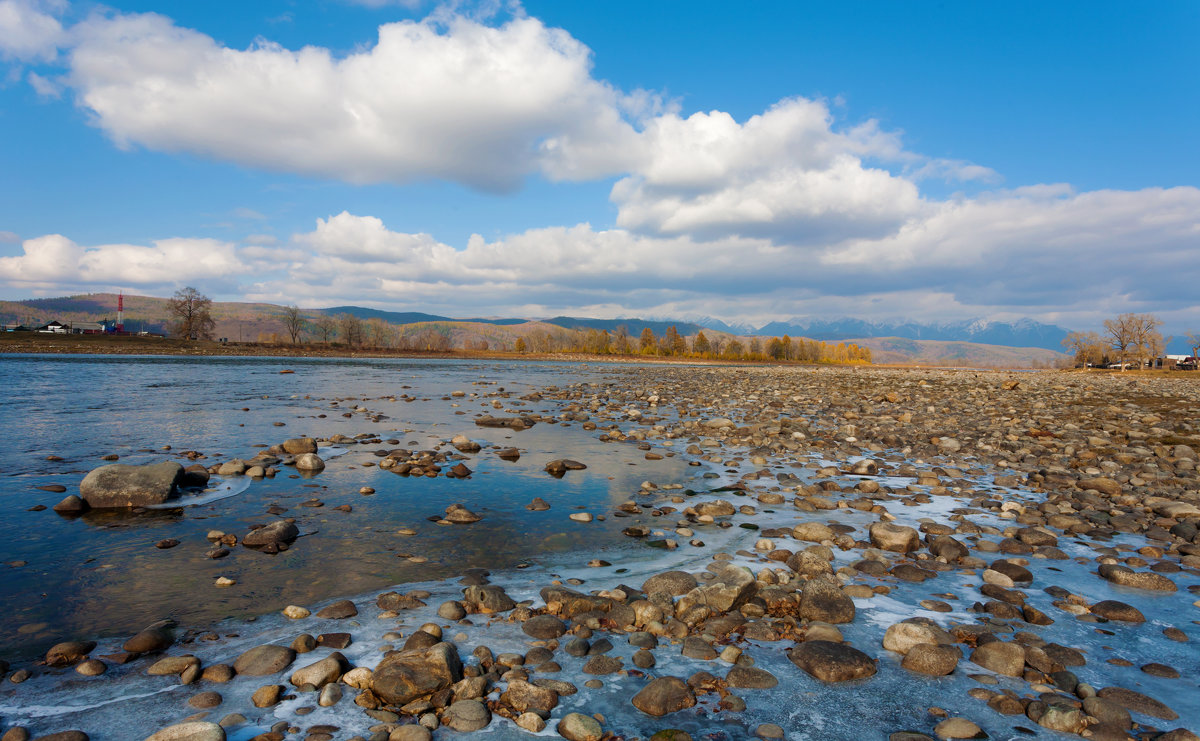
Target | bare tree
(326,327)
(192,312)
(350,328)
(379,332)
(1193,339)
(294,321)
(1133,333)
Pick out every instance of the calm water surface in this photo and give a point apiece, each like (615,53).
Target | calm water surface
(101,574)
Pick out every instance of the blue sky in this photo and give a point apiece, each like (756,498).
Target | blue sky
(746,161)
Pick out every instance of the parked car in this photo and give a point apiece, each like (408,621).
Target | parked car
(1121,366)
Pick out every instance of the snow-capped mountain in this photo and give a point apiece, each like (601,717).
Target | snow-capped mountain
(1021,333)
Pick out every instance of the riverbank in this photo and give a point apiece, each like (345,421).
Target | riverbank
(916,553)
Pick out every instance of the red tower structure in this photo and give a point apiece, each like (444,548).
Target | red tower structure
(121,312)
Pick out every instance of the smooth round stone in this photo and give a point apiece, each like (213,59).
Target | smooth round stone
(769,730)
(193,731)
(579,727)
(467,715)
(957,728)
(96,667)
(205,700)
(413,732)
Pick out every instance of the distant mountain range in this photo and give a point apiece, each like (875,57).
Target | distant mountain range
(1021,333)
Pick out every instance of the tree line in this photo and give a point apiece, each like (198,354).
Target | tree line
(192,315)
(1126,340)
(671,344)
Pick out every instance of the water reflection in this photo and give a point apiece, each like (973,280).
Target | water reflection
(101,573)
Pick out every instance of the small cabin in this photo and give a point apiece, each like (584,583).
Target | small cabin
(54,327)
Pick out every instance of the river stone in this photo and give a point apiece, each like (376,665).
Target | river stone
(715,508)
(1015,571)
(319,673)
(299,445)
(263,660)
(339,610)
(1003,658)
(902,637)
(1137,702)
(279,531)
(123,485)
(407,675)
(673,583)
(664,695)
(205,700)
(543,627)
(1127,577)
(832,662)
(813,532)
(487,599)
(172,665)
(1101,484)
(467,715)
(579,727)
(69,652)
(1111,609)
(1107,712)
(309,462)
(193,731)
(957,728)
(267,696)
(411,732)
(931,660)
(823,600)
(750,677)
(892,537)
(809,564)
(151,640)
(521,696)
(70,504)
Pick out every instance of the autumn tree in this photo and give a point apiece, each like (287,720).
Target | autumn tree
(700,345)
(520,346)
(1193,339)
(294,321)
(775,349)
(1087,347)
(192,313)
(647,342)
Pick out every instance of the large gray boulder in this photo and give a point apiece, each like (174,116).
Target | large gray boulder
(122,485)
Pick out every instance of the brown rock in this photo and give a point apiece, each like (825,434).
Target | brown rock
(664,695)
(832,662)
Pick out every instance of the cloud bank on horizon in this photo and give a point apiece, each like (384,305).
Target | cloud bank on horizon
(789,212)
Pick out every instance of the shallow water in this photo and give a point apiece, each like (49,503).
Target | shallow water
(100,574)
(356,555)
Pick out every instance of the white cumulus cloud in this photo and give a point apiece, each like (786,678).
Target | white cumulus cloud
(785,174)
(464,101)
(54,261)
(30,29)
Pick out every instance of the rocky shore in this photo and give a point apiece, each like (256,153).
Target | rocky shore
(877,554)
